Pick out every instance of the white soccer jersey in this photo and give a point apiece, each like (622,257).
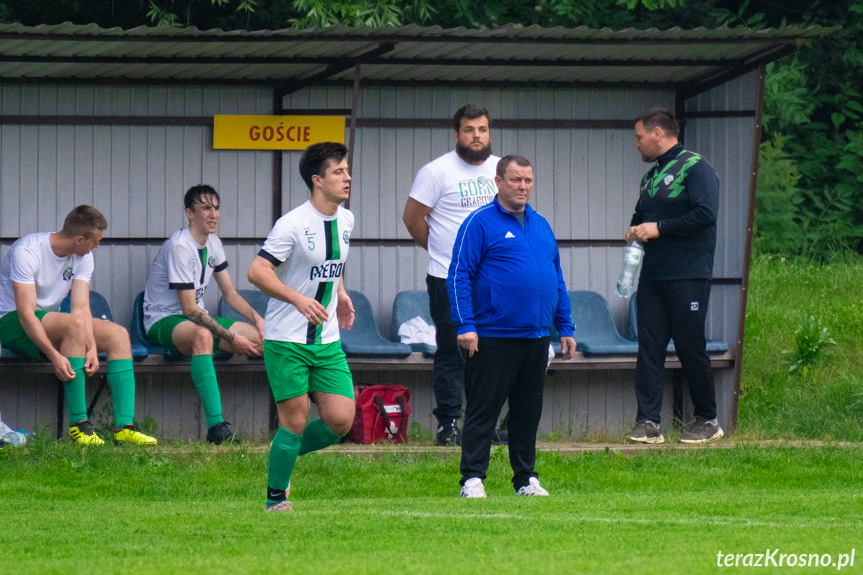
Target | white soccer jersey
(32,261)
(309,251)
(181,264)
(452,188)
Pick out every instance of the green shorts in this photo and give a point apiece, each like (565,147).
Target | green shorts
(295,369)
(14,338)
(162,331)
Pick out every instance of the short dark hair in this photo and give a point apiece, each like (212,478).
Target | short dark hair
(83,221)
(659,117)
(470,112)
(195,194)
(315,160)
(507,160)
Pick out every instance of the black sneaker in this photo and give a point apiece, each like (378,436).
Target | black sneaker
(701,431)
(500,437)
(646,432)
(448,434)
(221,433)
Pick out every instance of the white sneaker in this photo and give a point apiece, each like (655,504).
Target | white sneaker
(280,506)
(473,489)
(532,488)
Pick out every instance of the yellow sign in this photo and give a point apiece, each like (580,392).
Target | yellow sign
(275,132)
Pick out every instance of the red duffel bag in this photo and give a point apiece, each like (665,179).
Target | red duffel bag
(383,413)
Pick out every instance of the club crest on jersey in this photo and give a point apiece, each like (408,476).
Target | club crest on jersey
(67,274)
(668,179)
(211,262)
(346,237)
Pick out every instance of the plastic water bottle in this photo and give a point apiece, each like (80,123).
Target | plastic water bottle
(16,438)
(631,262)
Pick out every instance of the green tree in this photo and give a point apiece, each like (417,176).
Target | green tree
(813,103)
(477,13)
(204,14)
(275,14)
(810,189)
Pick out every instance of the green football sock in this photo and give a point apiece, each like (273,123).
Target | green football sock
(204,376)
(283,456)
(76,403)
(121,378)
(317,436)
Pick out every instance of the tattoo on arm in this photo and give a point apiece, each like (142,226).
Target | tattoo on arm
(203,319)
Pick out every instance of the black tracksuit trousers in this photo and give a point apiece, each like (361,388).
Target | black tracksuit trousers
(503,368)
(448,374)
(673,309)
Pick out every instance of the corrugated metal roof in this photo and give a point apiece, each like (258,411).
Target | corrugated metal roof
(407,55)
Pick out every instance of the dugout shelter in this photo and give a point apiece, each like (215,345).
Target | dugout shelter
(122,120)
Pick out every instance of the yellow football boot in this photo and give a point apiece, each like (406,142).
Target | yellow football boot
(83,434)
(133,435)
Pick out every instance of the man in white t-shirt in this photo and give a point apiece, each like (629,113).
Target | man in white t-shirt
(444,192)
(301,267)
(174,313)
(35,277)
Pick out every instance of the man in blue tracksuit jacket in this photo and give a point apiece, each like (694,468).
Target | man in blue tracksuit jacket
(505,289)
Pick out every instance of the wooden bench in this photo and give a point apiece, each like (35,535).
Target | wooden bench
(401,360)
(416,361)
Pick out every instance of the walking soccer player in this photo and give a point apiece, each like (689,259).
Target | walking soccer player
(300,267)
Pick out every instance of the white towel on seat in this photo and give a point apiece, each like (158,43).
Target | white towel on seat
(416,330)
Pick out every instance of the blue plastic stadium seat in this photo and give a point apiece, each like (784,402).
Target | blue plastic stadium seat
(364,338)
(8,354)
(632,325)
(137,333)
(595,333)
(406,306)
(713,346)
(256,298)
(100,309)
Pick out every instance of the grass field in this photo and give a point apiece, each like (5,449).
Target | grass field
(195,508)
(822,397)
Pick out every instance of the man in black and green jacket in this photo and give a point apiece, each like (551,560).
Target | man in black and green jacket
(675,219)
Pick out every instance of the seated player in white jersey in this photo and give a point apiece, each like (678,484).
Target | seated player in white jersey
(300,267)
(174,313)
(35,277)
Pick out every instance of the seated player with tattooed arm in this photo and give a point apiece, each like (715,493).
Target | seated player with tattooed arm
(174,314)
